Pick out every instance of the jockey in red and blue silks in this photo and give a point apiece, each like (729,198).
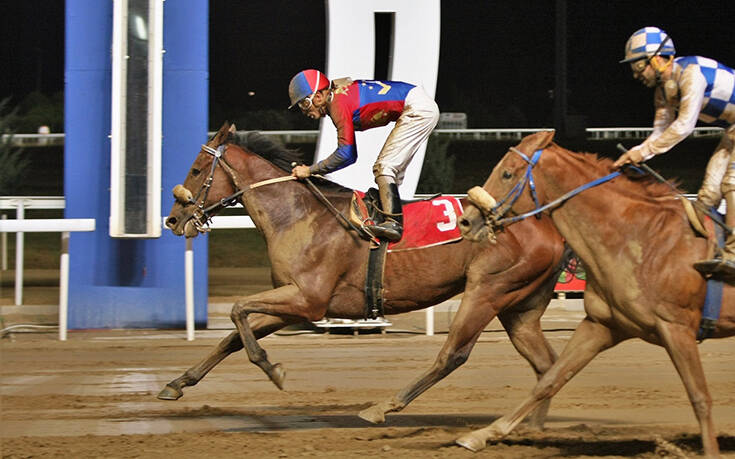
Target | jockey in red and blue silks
(360,105)
(688,89)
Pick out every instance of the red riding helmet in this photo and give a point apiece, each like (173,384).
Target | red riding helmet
(306,83)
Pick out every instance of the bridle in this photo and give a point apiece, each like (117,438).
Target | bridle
(202,216)
(495,217)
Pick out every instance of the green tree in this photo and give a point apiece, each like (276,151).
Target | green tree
(14,164)
(36,109)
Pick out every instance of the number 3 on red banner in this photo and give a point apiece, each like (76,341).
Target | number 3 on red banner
(449,212)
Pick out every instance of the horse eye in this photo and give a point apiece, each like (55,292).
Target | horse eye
(507,175)
(195,172)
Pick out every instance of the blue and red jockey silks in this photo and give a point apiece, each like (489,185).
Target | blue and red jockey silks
(359,106)
(306,83)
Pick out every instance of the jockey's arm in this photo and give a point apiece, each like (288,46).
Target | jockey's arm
(346,152)
(342,157)
(691,92)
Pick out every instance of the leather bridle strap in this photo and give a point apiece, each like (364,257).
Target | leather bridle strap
(500,221)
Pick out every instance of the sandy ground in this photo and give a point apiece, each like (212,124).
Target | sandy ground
(95,396)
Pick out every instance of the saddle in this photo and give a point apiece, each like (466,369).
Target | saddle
(426,222)
(703,226)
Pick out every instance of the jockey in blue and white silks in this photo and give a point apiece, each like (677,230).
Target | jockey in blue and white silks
(688,89)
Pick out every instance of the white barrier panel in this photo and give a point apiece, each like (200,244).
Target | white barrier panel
(44,225)
(231,222)
(51,226)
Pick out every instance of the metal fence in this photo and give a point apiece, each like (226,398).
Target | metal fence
(307,136)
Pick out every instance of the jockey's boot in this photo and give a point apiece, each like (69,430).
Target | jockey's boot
(727,266)
(392,228)
(723,266)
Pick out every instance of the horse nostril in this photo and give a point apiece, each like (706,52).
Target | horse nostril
(464,222)
(171,222)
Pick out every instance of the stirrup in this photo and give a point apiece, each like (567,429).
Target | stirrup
(388,230)
(717,268)
(726,269)
(707,267)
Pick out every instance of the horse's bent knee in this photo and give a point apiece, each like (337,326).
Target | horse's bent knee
(236,311)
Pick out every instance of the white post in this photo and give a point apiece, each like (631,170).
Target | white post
(4,248)
(64,286)
(20,214)
(189,280)
(430,321)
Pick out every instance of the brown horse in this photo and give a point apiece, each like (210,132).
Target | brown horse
(319,267)
(633,237)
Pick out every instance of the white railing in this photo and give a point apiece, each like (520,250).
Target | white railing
(64,226)
(20,204)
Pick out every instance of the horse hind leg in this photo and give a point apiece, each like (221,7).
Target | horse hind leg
(472,317)
(681,345)
(524,330)
(262,326)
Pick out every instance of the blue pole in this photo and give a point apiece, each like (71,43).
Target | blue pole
(130,283)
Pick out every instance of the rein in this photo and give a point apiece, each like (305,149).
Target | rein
(203,215)
(696,203)
(514,193)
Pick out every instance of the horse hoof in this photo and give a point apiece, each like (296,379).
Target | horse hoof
(373,415)
(170,393)
(278,375)
(472,441)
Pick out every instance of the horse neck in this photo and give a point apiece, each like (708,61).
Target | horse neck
(277,206)
(595,222)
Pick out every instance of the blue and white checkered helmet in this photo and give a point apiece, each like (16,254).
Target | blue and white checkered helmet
(646,42)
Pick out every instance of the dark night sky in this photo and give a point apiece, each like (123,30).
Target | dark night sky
(496,61)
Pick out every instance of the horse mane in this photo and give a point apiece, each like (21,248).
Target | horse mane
(279,156)
(644,183)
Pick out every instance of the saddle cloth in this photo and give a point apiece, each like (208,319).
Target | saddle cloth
(425,223)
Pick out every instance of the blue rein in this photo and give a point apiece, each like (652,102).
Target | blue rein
(515,192)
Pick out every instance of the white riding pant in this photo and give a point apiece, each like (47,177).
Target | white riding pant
(719,177)
(413,127)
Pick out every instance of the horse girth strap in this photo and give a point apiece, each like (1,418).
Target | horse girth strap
(374,281)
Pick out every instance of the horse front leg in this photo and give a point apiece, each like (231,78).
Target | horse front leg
(473,315)
(286,302)
(589,339)
(262,326)
(681,345)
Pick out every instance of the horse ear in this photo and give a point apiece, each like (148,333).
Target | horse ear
(222,133)
(233,129)
(537,141)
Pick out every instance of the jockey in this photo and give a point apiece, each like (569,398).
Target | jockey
(360,105)
(687,89)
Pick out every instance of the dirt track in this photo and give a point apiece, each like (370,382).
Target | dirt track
(94,396)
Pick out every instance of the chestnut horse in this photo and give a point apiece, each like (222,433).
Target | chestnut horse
(319,267)
(634,239)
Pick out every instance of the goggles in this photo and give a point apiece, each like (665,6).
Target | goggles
(639,66)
